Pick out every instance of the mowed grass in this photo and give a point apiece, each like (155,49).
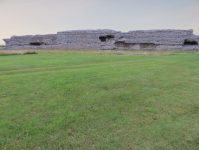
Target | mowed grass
(72,101)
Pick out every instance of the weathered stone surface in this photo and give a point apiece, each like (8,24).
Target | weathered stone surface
(159,40)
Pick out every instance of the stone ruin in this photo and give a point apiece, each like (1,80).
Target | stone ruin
(157,40)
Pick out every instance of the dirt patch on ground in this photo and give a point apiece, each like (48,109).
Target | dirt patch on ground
(16,52)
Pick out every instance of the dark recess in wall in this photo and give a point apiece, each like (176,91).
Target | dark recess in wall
(188,42)
(36,43)
(123,44)
(147,45)
(104,38)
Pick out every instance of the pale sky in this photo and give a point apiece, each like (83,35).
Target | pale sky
(30,17)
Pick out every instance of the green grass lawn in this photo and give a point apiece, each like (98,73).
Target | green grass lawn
(55,101)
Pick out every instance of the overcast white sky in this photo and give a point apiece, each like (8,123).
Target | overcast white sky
(30,17)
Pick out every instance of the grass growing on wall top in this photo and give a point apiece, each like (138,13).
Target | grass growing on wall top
(63,101)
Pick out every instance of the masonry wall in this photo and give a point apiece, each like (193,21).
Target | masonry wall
(86,39)
(159,40)
(32,42)
(162,40)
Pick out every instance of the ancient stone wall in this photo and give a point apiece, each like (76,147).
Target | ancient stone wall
(32,42)
(86,39)
(159,40)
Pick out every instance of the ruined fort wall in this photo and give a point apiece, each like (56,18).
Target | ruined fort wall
(159,40)
(86,39)
(32,42)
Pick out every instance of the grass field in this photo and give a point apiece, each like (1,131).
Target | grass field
(58,100)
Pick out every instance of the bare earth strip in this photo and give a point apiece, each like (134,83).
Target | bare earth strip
(115,52)
(95,52)
(16,52)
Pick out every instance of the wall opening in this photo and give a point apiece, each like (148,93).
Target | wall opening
(187,42)
(123,44)
(127,46)
(136,46)
(105,38)
(36,43)
(147,46)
